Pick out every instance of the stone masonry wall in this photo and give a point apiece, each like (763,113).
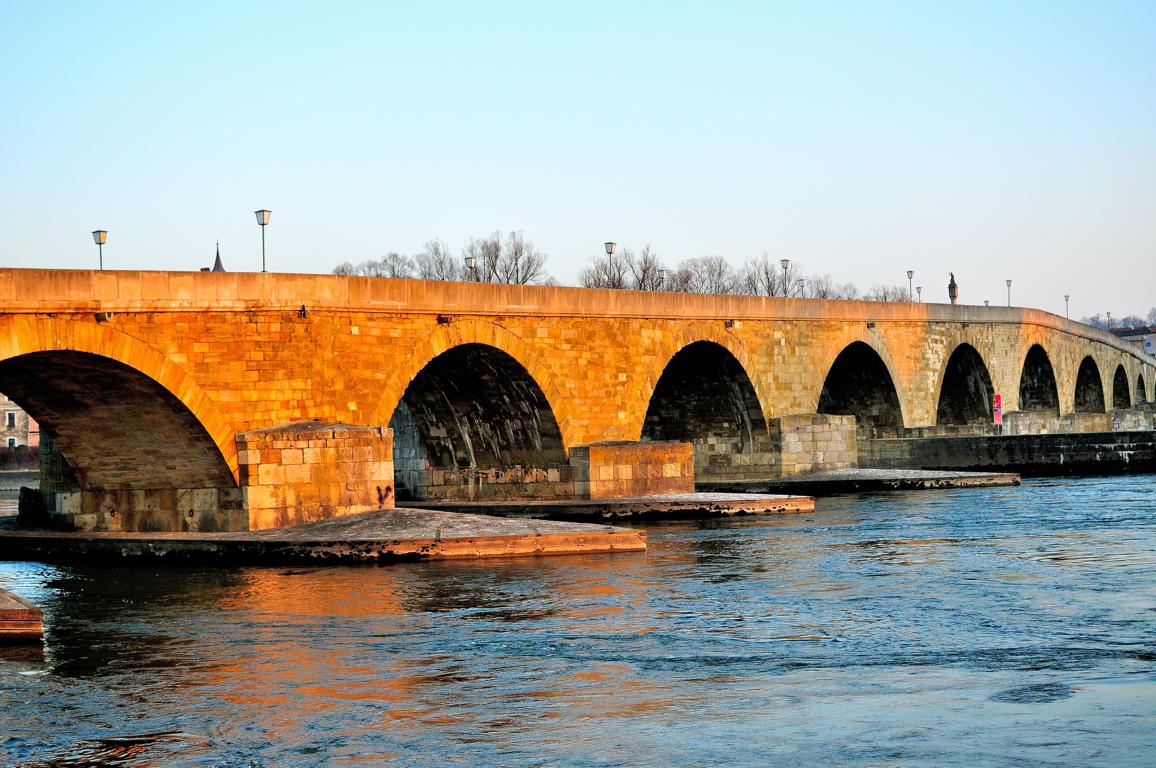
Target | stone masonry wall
(306,472)
(808,443)
(1053,454)
(556,481)
(618,470)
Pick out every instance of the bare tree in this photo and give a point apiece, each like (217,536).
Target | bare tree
(516,261)
(612,270)
(390,265)
(824,287)
(760,277)
(706,274)
(435,262)
(647,272)
(520,262)
(484,254)
(887,293)
(764,276)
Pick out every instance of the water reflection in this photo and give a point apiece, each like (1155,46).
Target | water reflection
(928,628)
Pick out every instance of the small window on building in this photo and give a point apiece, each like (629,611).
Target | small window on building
(10,419)
(11,442)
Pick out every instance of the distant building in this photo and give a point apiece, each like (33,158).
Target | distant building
(1143,337)
(16,426)
(217,265)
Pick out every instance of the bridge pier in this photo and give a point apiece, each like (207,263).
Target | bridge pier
(289,475)
(311,471)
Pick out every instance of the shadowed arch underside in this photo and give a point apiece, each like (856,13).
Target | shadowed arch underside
(1121,397)
(1089,388)
(859,385)
(1141,393)
(705,397)
(473,406)
(117,428)
(1038,390)
(966,394)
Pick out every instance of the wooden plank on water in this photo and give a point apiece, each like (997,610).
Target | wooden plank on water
(19,619)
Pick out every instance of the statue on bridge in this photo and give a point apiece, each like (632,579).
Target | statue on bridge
(952,288)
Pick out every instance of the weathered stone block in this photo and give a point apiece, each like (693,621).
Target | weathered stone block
(635,469)
(313,471)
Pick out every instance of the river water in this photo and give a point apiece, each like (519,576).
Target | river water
(1012,626)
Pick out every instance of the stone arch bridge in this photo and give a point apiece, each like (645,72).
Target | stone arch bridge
(168,395)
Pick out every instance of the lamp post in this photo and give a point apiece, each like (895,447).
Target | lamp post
(100,237)
(263,219)
(1008,282)
(919,292)
(472,267)
(799,287)
(910,274)
(786,265)
(1109,320)
(661,278)
(610,249)
(1066,297)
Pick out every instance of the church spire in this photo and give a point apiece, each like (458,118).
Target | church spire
(217,265)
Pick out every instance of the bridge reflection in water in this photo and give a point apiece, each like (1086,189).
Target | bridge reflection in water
(934,627)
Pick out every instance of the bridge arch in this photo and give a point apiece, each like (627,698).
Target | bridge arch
(859,383)
(472,407)
(705,397)
(1121,397)
(1089,395)
(77,379)
(1038,390)
(462,332)
(671,344)
(848,338)
(1141,392)
(965,389)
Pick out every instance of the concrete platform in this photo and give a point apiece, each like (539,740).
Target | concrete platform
(657,507)
(861,480)
(383,536)
(20,622)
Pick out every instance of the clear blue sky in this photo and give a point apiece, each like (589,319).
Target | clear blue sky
(993,140)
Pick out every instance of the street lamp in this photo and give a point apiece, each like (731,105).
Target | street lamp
(263,219)
(1066,297)
(910,274)
(786,265)
(472,266)
(100,237)
(661,278)
(1008,282)
(799,287)
(919,292)
(610,248)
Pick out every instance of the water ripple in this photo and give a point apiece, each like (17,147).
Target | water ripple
(982,627)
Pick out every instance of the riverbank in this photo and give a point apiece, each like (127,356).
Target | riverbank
(670,506)
(1050,455)
(14,479)
(839,481)
(373,537)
